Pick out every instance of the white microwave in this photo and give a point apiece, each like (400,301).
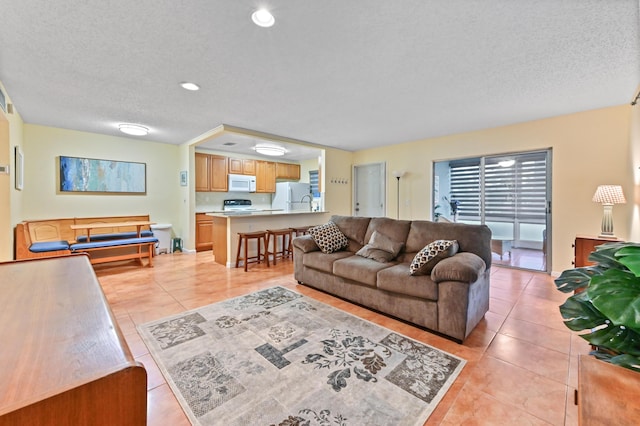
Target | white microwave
(242,183)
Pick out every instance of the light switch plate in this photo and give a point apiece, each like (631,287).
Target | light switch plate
(4,169)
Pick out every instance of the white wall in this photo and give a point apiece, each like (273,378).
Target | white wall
(41,198)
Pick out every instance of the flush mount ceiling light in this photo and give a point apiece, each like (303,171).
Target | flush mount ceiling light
(263,18)
(189,86)
(271,150)
(133,129)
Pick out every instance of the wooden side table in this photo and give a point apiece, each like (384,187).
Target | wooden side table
(584,245)
(607,393)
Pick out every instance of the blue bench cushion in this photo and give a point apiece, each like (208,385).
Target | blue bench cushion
(49,246)
(120,235)
(112,243)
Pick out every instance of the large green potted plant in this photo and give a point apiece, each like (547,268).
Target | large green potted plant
(606,303)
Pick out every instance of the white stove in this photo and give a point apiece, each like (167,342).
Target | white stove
(237,206)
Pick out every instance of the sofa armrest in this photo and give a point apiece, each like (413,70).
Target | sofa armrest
(463,267)
(305,243)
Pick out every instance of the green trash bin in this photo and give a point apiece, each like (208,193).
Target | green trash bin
(177,245)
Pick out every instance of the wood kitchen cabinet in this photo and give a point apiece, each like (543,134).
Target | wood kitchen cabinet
(265,176)
(204,232)
(211,173)
(583,247)
(288,171)
(218,180)
(242,166)
(202,172)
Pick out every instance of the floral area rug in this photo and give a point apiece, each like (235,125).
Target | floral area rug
(276,357)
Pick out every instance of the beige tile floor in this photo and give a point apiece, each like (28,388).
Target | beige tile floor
(521,359)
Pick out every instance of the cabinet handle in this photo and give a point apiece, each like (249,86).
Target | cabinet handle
(573,246)
(573,263)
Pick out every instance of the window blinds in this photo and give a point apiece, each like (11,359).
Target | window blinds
(503,194)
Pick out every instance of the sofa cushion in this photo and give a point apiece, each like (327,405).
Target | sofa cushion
(464,267)
(471,238)
(380,248)
(360,269)
(431,254)
(397,230)
(397,279)
(328,237)
(322,261)
(353,227)
(48,246)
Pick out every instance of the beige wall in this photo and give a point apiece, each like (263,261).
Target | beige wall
(10,198)
(337,197)
(589,149)
(42,199)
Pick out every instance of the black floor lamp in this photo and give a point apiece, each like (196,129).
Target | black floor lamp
(398,174)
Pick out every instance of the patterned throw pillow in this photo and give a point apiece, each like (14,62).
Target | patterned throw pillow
(328,237)
(431,254)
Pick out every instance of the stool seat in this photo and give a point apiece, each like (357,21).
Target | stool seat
(245,237)
(301,230)
(286,246)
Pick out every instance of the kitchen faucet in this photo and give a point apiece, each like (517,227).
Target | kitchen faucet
(310,200)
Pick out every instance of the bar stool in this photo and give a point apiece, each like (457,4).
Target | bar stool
(245,237)
(296,231)
(286,248)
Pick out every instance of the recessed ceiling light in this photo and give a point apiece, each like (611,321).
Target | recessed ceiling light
(133,129)
(189,86)
(263,18)
(271,150)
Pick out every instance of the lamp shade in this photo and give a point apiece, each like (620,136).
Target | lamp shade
(609,194)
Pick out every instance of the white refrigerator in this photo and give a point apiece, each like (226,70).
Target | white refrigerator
(291,196)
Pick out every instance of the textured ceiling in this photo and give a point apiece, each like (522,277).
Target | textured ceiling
(348,74)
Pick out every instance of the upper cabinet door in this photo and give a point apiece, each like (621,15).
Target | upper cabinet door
(202,172)
(218,180)
(265,176)
(287,171)
(235,166)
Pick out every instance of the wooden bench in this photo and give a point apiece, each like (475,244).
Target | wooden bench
(57,237)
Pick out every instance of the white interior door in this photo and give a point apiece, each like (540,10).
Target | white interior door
(369,190)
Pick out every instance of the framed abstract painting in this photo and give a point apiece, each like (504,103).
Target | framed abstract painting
(102,176)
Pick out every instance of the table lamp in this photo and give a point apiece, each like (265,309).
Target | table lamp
(608,195)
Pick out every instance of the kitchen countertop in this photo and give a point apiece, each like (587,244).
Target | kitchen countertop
(259,213)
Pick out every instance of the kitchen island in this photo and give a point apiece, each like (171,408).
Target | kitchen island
(227,225)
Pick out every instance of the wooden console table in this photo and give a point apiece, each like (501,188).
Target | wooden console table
(64,360)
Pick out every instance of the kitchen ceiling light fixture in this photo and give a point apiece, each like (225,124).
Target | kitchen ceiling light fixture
(271,150)
(263,18)
(133,129)
(189,86)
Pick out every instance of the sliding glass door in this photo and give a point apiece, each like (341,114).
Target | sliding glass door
(510,193)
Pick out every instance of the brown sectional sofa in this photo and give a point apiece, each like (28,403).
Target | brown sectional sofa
(450,301)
